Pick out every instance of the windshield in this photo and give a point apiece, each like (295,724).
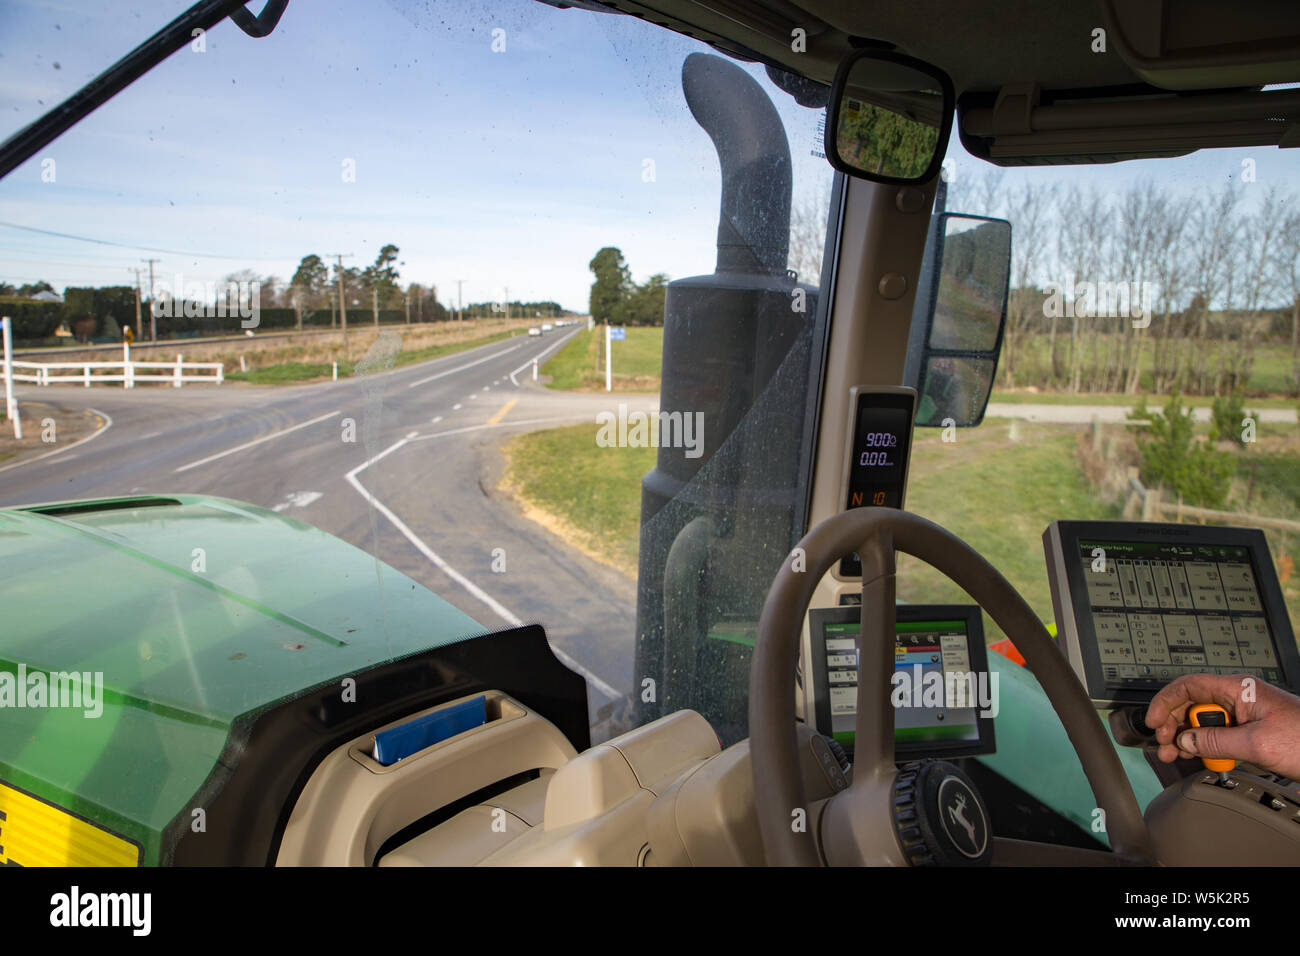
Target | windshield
(360,273)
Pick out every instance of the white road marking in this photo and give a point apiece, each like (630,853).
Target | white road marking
(150,435)
(461,368)
(527,421)
(108,423)
(457,407)
(256,441)
(496,606)
(538,356)
(299,499)
(434,421)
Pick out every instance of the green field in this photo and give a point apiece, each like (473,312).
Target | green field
(591,494)
(1270,371)
(997,494)
(289,373)
(638,366)
(293,373)
(1111,398)
(579,366)
(997,488)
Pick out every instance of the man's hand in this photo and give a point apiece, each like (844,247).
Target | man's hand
(1267,719)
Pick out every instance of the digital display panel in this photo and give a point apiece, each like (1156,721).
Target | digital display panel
(878,455)
(937,663)
(1140,604)
(1160,611)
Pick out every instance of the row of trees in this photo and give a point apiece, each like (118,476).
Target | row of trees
(1221,269)
(617,299)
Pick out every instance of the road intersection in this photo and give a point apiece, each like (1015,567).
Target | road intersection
(403,463)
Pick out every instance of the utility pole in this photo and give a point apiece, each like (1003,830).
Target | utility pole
(507,303)
(374,304)
(138,330)
(460,300)
(153,318)
(343,309)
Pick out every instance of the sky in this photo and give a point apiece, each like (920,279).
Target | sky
(507,169)
(504,169)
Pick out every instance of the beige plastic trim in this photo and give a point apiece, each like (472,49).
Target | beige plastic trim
(351,805)
(597,805)
(477,832)
(1199,823)
(708,817)
(884,233)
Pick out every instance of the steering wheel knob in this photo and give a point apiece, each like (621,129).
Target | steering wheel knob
(939,817)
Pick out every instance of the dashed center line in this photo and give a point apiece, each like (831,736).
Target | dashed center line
(457,407)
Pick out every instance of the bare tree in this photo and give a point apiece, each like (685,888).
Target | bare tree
(1081,241)
(1029,210)
(1259,286)
(1169,217)
(1211,239)
(1286,269)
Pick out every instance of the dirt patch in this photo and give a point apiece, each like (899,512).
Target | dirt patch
(47,426)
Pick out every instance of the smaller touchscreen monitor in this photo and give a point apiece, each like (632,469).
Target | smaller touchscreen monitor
(940,686)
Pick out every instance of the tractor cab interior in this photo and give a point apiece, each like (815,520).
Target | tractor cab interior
(801,733)
(883,614)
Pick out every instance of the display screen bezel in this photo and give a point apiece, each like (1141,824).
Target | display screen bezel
(864,400)
(1079,632)
(969,614)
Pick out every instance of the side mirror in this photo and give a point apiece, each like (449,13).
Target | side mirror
(889,117)
(969,272)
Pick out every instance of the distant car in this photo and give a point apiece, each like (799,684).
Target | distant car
(547,327)
(534,331)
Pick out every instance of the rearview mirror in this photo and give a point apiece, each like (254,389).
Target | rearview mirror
(890,116)
(968,268)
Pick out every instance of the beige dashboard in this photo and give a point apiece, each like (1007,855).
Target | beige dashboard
(662,794)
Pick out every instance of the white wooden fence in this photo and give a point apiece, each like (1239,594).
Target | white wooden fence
(127,372)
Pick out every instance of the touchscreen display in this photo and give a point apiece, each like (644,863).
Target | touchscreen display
(932,662)
(1161,610)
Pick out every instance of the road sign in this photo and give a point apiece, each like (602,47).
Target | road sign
(617,333)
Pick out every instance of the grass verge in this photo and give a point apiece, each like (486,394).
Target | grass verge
(292,373)
(589,496)
(997,487)
(580,365)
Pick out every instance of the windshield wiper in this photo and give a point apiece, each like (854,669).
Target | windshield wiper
(206,14)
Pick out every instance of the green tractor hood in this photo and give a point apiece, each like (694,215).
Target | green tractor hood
(135,632)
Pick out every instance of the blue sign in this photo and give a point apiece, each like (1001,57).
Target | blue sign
(617,334)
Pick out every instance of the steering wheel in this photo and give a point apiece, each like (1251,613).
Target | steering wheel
(857,826)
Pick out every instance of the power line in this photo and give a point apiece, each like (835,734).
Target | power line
(125,245)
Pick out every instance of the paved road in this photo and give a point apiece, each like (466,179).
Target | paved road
(417,486)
